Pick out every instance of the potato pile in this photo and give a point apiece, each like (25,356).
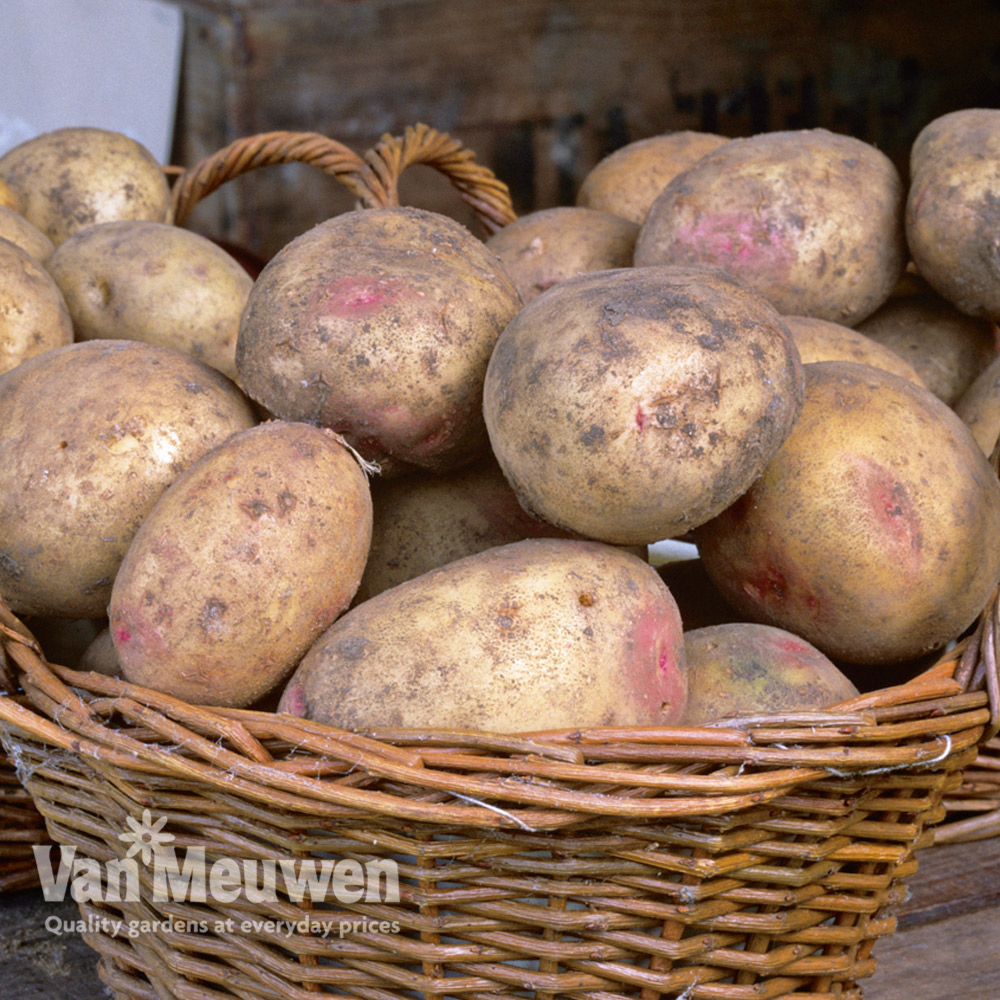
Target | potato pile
(410,477)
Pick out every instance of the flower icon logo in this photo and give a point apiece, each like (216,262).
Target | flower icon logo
(146,837)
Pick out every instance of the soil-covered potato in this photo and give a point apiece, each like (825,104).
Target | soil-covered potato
(979,406)
(542,248)
(953,208)
(33,314)
(810,219)
(244,560)
(425,520)
(947,349)
(92,434)
(16,228)
(871,533)
(379,324)
(627,181)
(745,668)
(824,340)
(539,634)
(153,282)
(631,405)
(71,178)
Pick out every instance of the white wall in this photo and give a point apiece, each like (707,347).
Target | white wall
(106,63)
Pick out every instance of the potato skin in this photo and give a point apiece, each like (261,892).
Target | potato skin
(745,668)
(953,208)
(811,220)
(16,228)
(539,634)
(627,181)
(153,282)
(631,405)
(871,532)
(542,248)
(379,324)
(979,406)
(243,561)
(33,314)
(71,178)
(93,434)
(824,340)
(947,348)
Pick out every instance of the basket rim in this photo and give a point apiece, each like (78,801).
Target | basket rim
(540,780)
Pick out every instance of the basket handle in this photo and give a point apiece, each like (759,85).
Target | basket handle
(476,183)
(262,150)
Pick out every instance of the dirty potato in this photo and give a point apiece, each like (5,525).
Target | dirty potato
(809,219)
(542,248)
(538,634)
(71,178)
(93,433)
(631,405)
(244,560)
(33,315)
(627,181)
(379,324)
(153,282)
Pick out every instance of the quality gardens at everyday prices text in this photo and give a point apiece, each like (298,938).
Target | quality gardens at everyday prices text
(192,878)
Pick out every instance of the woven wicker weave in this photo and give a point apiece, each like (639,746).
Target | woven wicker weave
(760,859)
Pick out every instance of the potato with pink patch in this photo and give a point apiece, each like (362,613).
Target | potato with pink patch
(810,219)
(539,634)
(379,324)
(745,668)
(872,532)
(246,558)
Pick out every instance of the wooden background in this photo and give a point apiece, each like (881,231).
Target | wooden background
(541,89)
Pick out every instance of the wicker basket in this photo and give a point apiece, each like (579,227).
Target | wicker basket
(757,859)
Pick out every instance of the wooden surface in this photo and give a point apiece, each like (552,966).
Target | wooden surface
(947,946)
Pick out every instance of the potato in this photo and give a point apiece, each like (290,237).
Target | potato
(33,315)
(240,565)
(538,634)
(424,520)
(379,324)
(872,532)
(9,199)
(946,348)
(631,405)
(627,181)
(979,406)
(100,655)
(824,340)
(811,220)
(153,282)
(71,178)
(953,208)
(93,434)
(16,228)
(744,668)
(542,248)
